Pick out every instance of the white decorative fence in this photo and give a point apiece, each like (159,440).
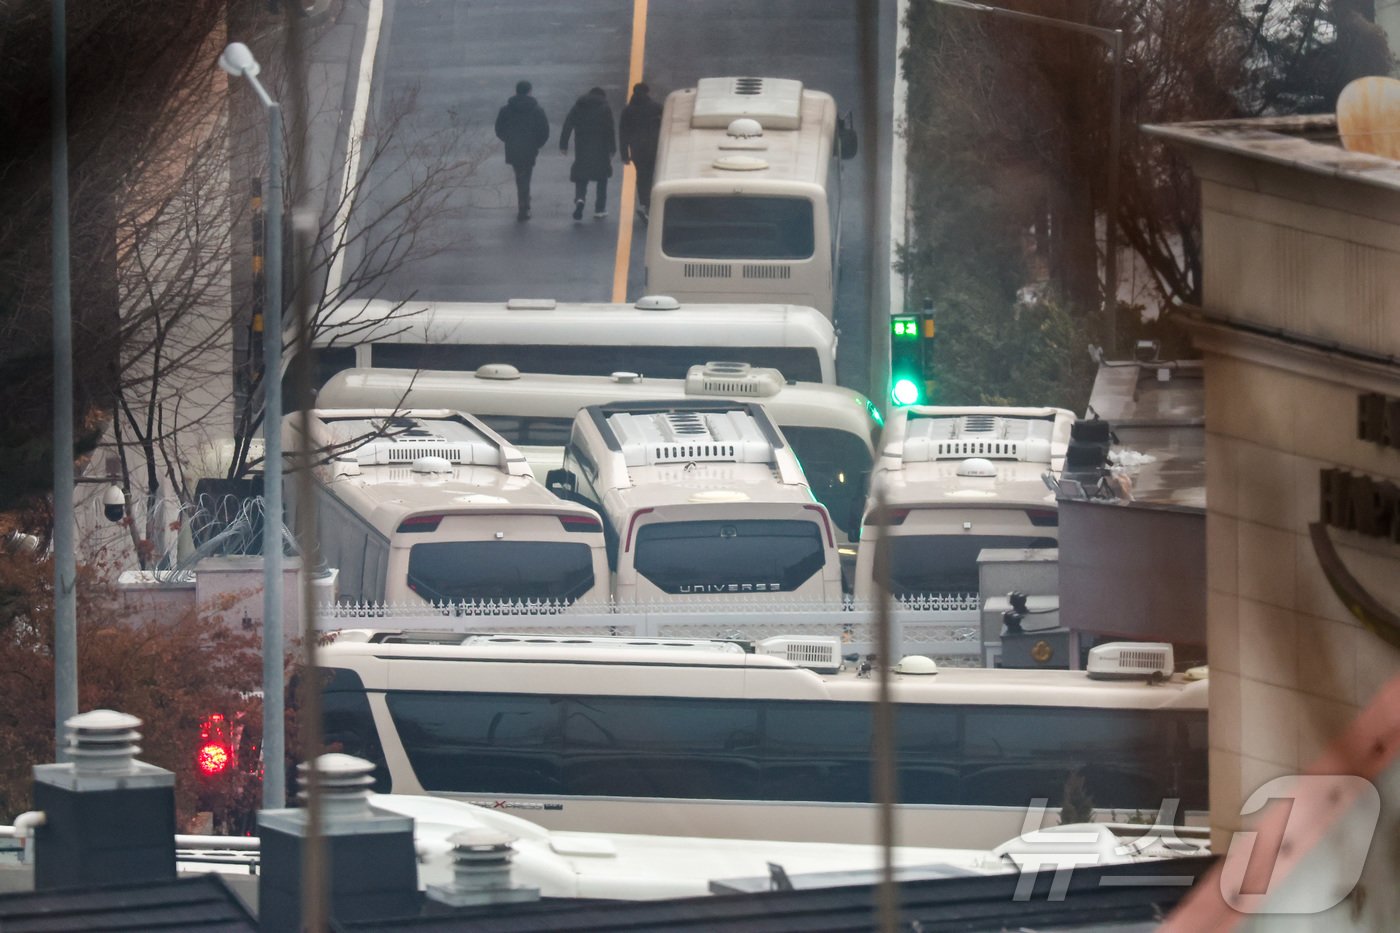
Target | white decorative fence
(946,628)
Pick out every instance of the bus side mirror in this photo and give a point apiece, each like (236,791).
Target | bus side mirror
(847,143)
(562,483)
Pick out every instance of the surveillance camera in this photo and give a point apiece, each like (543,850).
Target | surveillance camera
(114,503)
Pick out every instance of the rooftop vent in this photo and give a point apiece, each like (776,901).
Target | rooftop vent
(344,784)
(686,436)
(1131,660)
(481,860)
(657,303)
(774,103)
(406,440)
(103,741)
(733,380)
(531,304)
(815,652)
(988,437)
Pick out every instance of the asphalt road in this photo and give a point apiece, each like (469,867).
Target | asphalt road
(458,61)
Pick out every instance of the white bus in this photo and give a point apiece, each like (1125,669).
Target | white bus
(957,481)
(676,737)
(700,500)
(657,337)
(432,506)
(746,202)
(832,430)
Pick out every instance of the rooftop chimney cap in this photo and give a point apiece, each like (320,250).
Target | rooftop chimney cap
(480,837)
(103,741)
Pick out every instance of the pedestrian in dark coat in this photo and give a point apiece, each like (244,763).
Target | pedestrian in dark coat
(638,131)
(523,127)
(592,119)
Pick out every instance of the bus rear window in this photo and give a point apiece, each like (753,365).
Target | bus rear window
(799,363)
(921,564)
(737,228)
(757,556)
(504,571)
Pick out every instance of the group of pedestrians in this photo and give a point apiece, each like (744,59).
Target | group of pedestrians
(522,125)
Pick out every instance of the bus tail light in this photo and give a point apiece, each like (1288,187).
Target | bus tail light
(631,524)
(826,523)
(420,523)
(581,524)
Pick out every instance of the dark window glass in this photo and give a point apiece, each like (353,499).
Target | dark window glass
(661,747)
(327,362)
(500,570)
(737,228)
(946,563)
(816,751)
(1190,761)
(837,466)
(1015,754)
(713,556)
(799,363)
(928,750)
(484,742)
(541,432)
(348,725)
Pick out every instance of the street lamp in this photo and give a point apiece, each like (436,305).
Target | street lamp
(1113,38)
(238,61)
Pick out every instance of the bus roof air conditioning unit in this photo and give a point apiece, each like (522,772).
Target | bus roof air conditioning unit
(776,103)
(820,653)
(733,380)
(987,437)
(684,436)
(1131,660)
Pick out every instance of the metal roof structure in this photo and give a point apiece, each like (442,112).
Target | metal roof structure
(204,903)
(1120,897)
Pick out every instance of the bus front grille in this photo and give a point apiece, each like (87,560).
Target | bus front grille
(708,270)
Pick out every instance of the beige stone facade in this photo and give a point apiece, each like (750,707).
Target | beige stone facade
(1300,317)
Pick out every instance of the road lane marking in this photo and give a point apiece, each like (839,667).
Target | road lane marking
(628,197)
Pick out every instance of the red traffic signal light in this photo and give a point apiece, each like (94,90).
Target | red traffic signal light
(215,754)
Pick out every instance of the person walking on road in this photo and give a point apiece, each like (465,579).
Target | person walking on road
(592,120)
(638,131)
(523,127)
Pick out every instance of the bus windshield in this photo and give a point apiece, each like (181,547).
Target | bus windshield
(466,571)
(737,228)
(923,564)
(837,464)
(752,556)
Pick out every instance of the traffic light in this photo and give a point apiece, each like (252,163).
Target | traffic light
(908,378)
(216,747)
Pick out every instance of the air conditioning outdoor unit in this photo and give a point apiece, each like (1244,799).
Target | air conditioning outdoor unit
(820,653)
(1131,660)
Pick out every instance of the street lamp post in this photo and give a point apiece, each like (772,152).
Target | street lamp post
(238,61)
(1113,38)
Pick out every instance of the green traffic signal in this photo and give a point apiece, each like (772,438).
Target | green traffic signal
(905,391)
(906,361)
